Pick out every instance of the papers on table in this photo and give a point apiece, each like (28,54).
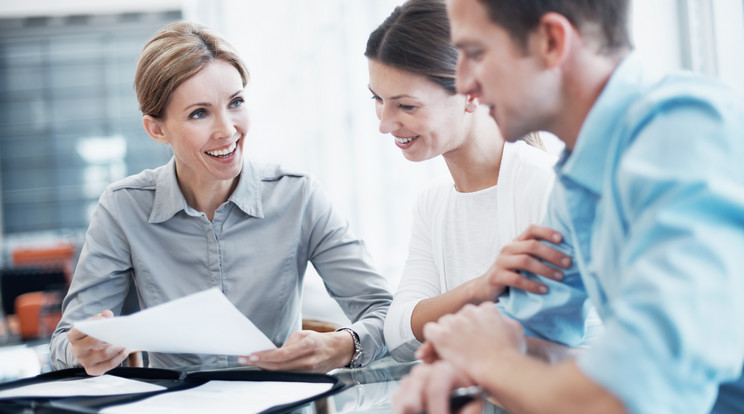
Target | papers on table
(224,397)
(93,386)
(202,323)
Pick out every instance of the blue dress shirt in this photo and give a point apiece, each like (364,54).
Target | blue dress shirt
(652,197)
(255,249)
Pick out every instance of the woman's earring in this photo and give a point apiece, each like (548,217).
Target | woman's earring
(472,104)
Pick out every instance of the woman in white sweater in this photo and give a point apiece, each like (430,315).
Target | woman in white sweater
(495,192)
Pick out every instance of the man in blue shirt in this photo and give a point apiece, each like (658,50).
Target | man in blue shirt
(650,198)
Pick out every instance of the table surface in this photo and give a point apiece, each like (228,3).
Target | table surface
(371,390)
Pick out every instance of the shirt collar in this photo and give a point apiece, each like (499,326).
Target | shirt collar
(169,199)
(588,163)
(247,195)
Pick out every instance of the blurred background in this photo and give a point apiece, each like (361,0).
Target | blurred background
(70,125)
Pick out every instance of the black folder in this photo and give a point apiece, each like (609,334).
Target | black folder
(172,380)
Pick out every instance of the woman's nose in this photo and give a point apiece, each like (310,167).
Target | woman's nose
(388,122)
(225,125)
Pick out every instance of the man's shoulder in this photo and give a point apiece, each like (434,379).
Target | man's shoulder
(685,91)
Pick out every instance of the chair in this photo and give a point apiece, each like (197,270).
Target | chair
(30,293)
(38,313)
(318,325)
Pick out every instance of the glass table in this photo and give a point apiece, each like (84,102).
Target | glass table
(371,390)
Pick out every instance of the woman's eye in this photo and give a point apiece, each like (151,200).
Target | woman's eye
(198,114)
(407,107)
(376,98)
(237,103)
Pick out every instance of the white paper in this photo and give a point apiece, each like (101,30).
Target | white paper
(224,397)
(93,386)
(202,323)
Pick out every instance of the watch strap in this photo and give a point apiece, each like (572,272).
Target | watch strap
(356,358)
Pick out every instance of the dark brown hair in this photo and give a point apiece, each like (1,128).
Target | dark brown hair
(416,38)
(608,18)
(174,54)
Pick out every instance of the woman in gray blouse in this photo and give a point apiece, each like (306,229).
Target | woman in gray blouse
(209,218)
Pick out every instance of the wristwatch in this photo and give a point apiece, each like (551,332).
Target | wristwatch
(355,359)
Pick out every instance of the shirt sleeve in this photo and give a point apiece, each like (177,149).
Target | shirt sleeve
(558,316)
(420,280)
(101,279)
(673,330)
(345,266)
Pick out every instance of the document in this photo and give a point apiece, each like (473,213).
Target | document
(224,397)
(82,387)
(202,323)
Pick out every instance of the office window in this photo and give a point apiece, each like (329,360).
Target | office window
(69,119)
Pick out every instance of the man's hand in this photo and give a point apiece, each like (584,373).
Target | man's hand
(428,387)
(480,331)
(97,357)
(306,351)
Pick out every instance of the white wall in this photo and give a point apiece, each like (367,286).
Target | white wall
(728,18)
(29,8)
(705,36)
(656,33)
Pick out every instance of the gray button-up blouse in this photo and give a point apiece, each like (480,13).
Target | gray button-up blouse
(256,250)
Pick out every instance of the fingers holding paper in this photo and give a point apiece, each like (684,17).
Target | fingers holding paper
(306,351)
(97,357)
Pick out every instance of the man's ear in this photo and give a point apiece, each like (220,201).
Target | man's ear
(551,40)
(154,128)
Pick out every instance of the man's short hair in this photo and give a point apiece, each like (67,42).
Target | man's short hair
(604,20)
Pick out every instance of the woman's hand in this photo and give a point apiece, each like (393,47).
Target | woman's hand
(306,351)
(522,254)
(97,357)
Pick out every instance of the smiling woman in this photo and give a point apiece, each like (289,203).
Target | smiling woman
(205,123)
(470,230)
(210,218)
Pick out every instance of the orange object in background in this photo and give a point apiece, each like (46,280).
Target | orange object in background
(62,254)
(318,325)
(38,314)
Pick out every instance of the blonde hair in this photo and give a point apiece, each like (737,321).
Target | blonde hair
(174,54)
(534,139)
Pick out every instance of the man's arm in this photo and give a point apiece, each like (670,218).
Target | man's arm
(560,315)
(520,383)
(673,284)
